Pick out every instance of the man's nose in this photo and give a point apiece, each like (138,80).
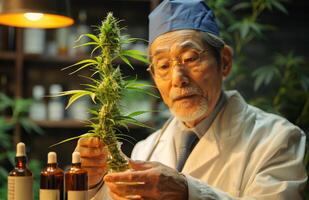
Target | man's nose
(179,76)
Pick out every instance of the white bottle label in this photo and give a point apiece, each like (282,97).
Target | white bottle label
(77,195)
(20,187)
(47,194)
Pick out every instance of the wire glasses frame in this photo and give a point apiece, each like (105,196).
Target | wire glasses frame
(164,69)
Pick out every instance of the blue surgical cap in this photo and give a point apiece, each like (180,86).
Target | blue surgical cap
(173,15)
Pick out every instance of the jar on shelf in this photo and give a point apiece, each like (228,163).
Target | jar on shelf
(55,104)
(62,36)
(34,40)
(38,107)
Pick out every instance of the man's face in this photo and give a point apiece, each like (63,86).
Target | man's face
(186,74)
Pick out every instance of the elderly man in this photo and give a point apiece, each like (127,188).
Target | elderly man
(216,146)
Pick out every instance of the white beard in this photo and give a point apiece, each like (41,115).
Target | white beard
(200,110)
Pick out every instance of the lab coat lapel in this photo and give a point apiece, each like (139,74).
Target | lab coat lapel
(166,153)
(198,157)
(223,131)
(164,150)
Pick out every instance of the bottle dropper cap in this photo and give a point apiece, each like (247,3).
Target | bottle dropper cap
(51,158)
(75,157)
(20,149)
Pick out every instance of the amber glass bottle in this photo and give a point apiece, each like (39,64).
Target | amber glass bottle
(20,179)
(51,181)
(76,180)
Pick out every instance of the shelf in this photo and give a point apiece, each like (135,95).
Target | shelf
(56,62)
(7,55)
(71,123)
(38,58)
(66,123)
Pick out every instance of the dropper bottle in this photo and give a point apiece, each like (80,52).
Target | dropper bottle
(20,179)
(51,181)
(76,180)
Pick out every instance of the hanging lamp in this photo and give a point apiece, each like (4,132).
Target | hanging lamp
(35,13)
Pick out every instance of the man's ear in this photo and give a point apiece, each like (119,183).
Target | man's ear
(226,60)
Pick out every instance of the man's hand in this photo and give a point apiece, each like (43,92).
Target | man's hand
(147,180)
(93,157)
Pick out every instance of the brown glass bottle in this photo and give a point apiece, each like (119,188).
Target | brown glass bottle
(76,180)
(51,180)
(20,179)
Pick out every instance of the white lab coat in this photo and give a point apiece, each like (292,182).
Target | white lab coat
(245,154)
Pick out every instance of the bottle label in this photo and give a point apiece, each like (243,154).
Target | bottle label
(77,195)
(20,187)
(46,194)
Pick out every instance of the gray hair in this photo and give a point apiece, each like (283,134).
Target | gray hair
(215,42)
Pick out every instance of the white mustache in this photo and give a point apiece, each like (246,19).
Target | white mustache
(177,93)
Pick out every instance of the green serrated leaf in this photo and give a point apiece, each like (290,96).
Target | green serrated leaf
(136,54)
(142,91)
(258,82)
(86,61)
(304,81)
(91,36)
(85,44)
(138,84)
(133,121)
(3,172)
(72,138)
(70,92)
(76,96)
(137,113)
(241,6)
(124,59)
(29,126)
(82,67)
(11,157)
(280,7)
(244,29)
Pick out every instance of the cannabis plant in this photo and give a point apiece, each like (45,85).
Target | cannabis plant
(106,87)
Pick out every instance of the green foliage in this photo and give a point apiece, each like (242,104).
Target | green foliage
(18,109)
(107,87)
(289,78)
(240,24)
(35,167)
(17,113)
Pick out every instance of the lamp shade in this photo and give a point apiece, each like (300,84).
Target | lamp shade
(35,13)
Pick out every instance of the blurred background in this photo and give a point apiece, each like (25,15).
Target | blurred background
(271,59)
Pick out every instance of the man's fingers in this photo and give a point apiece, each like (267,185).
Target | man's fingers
(95,175)
(94,142)
(141,165)
(94,180)
(117,197)
(92,152)
(131,190)
(93,162)
(95,170)
(128,176)
(140,172)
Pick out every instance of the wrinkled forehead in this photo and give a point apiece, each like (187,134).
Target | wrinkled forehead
(177,41)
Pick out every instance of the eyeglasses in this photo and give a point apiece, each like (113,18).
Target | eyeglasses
(162,67)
